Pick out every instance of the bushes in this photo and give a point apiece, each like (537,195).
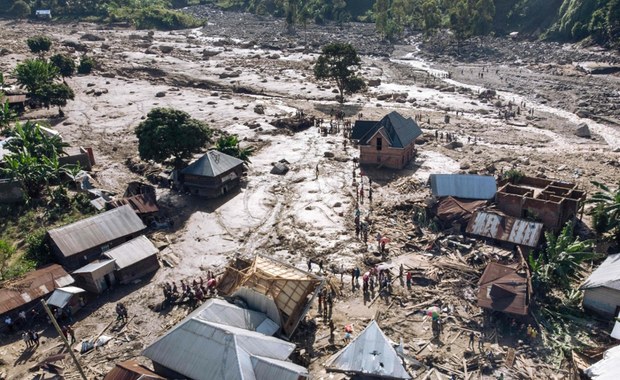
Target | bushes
(86,65)
(20,10)
(154,17)
(64,63)
(38,249)
(39,44)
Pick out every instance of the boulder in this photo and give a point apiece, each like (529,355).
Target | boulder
(328,155)
(583,131)
(374,82)
(166,49)
(160,94)
(91,37)
(259,109)
(279,168)
(75,45)
(384,96)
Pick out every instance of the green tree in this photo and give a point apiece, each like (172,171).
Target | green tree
(64,64)
(560,263)
(460,20)
(20,9)
(431,16)
(230,146)
(606,213)
(169,133)
(33,74)
(338,62)
(54,94)
(33,158)
(483,13)
(613,22)
(39,44)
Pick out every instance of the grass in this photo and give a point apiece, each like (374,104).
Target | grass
(21,222)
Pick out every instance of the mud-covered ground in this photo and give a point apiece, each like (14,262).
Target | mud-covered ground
(222,72)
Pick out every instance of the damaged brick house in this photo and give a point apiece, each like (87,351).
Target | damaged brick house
(551,202)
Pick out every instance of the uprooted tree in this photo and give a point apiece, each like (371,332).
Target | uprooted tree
(169,133)
(339,62)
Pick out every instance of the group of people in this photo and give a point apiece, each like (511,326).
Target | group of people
(69,333)
(193,293)
(121,313)
(31,338)
(326,303)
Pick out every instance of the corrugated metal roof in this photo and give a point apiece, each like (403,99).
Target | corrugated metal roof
(271,369)
(468,186)
(212,164)
(370,353)
(96,230)
(142,204)
(204,350)
(401,131)
(32,286)
(106,266)
(505,228)
(607,274)
(608,368)
(61,296)
(135,250)
(503,289)
(131,370)
(361,127)
(451,210)
(220,311)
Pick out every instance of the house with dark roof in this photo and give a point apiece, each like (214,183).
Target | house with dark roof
(212,175)
(389,142)
(505,288)
(82,242)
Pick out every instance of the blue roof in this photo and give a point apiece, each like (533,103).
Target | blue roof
(468,186)
(361,127)
(401,132)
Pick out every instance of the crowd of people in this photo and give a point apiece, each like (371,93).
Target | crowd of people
(192,293)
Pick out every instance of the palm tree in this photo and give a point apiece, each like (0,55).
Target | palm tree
(230,145)
(606,214)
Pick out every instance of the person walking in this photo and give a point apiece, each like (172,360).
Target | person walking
(27,340)
(471,340)
(409,276)
(71,333)
(34,337)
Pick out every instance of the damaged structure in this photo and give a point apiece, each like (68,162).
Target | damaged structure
(281,291)
(82,242)
(131,370)
(551,202)
(505,229)
(16,295)
(371,355)
(602,288)
(389,142)
(505,288)
(223,341)
(96,277)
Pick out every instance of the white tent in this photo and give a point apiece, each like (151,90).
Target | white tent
(371,353)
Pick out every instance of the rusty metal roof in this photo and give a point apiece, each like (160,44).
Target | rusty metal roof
(505,228)
(141,203)
(32,286)
(131,370)
(503,288)
(96,230)
(135,250)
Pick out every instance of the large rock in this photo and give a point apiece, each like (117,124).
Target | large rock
(279,168)
(374,82)
(583,131)
(166,49)
(91,37)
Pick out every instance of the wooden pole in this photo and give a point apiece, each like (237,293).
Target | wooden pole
(62,336)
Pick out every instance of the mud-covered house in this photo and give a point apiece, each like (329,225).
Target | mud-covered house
(212,175)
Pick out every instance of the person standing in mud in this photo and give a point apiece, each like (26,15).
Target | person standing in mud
(316,169)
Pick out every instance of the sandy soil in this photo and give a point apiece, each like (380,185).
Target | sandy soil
(297,216)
